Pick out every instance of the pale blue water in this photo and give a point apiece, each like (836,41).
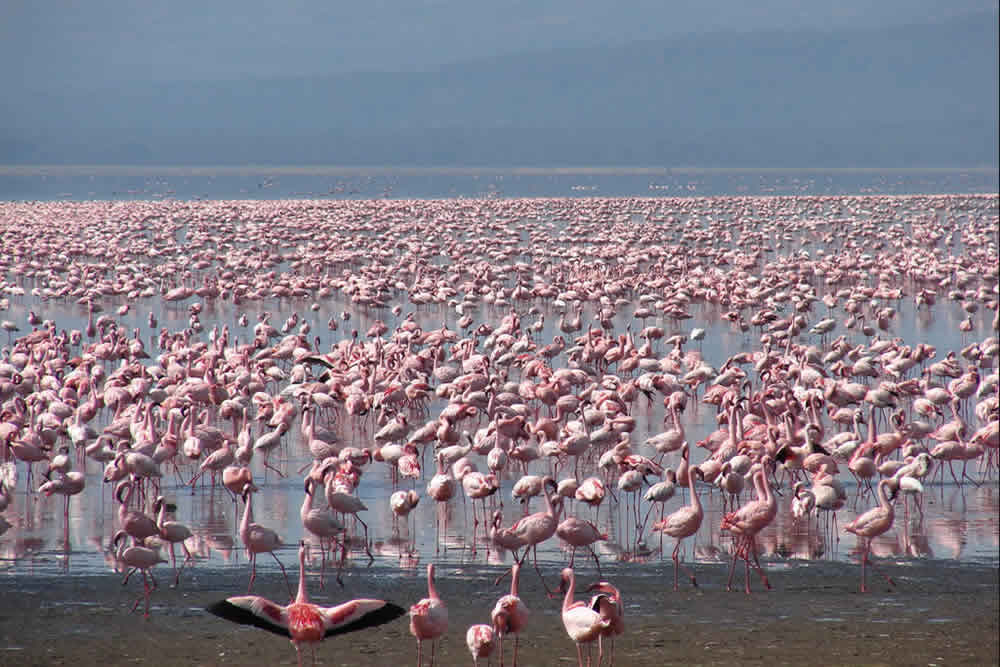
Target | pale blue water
(125,182)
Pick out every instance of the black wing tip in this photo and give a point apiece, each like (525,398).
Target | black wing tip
(385,614)
(231,612)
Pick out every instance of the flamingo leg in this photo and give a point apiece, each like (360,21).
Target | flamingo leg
(869,561)
(864,560)
(173,563)
(598,562)
(756,566)
(253,570)
(732,568)
(287,583)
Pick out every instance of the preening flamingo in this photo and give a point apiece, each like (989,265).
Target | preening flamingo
(481,640)
(583,624)
(608,603)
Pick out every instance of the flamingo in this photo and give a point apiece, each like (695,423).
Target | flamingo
(257,539)
(135,523)
(481,640)
(428,617)
(137,557)
(172,532)
(747,522)
(65,484)
(320,522)
(441,488)
(608,603)
(345,503)
(583,623)
(540,526)
(871,524)
(510,614)
(301,620)
(683,523)
(580,533)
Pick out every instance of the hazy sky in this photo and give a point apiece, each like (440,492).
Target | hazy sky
(47,44)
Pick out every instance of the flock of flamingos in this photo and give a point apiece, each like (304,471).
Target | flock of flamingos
(566,328)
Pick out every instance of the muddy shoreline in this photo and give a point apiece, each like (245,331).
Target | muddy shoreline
(940,612)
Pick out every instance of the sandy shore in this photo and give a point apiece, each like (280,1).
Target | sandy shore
(940,613)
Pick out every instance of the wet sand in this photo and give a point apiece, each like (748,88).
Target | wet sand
(940,612)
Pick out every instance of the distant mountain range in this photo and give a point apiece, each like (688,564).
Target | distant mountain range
(922,95)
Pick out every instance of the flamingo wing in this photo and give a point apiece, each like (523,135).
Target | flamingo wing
(357,615)
(253,610)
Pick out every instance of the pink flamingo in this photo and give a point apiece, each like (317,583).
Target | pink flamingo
(429,617)
(746,523)
(137,557)
(303,621)
(257,539)
(540,526)
(583,624)
(510,614)
(65,484)
(580,533)
(871,524)
(441,488)
(321,522)
(481,640)
(683,523)
(135,523)
(608,603)
(591,491)
(172,532)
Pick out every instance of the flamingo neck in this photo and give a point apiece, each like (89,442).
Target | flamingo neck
(884,496)
(302,597)
(570,591)
(695,502)
(247,512)
(431,590)
(871,424)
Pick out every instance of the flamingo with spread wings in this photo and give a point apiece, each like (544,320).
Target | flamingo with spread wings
(303,621)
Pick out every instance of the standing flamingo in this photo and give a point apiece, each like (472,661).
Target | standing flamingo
(683,523)
(608,603)
(321,522)
(510,614)
(429,617)
(257,539)
(540,526)
(583,624)
(481,640)
(580,533)
(746,523)
(303,621)
(172,532)
(871,524)
(137,557)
